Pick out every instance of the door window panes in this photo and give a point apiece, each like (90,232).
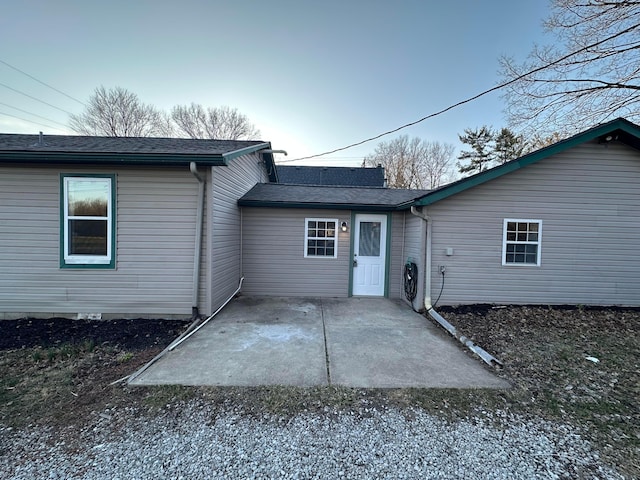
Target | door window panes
(369,239)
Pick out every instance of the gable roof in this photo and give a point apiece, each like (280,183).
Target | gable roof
(618,130)
(122,150)
(331,176)
(343,198)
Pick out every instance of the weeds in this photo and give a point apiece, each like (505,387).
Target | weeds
(124,357)
(159,397)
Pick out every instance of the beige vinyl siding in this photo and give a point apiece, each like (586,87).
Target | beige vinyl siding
(155,215)
(273,255)
(414,245)
(396,264)
(228,184)
(587,199)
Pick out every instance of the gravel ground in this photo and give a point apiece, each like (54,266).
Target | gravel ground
(198,441)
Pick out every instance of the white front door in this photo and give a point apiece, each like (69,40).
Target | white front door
(369,254)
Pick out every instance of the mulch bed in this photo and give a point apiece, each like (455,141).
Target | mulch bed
(129,334)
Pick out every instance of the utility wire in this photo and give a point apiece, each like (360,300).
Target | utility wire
(32,114)
(36,99)
(470,99)
(41,82)
(30,121)
(406,125)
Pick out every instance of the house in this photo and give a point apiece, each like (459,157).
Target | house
(122,226)
(303,240)
(331,176)
(156,227)
(557,226)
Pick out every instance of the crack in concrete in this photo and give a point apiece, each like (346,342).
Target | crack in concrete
(326,350)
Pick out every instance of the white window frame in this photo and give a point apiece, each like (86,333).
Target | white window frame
(96,261)
(538,243)
(334,238)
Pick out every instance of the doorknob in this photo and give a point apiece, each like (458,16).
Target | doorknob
(355,260)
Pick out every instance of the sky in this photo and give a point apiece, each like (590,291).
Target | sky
(312,76)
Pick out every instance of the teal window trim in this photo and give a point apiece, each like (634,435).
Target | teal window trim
(351,246)
(109,260)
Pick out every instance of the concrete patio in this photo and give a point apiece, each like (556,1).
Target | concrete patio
(355,342)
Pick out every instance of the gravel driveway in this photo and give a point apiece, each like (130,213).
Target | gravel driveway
(195,441)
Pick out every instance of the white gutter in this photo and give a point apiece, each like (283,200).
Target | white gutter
(198,240)
(427,261)
(483,354)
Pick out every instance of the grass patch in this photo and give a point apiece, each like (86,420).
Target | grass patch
(159,397)
(125,357)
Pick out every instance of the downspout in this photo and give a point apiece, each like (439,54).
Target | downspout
(427,258)
(198,241)
(483,354)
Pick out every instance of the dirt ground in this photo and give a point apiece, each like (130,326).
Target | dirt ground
(570,364)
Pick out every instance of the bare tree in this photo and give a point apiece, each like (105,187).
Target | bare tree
(221,123)
(540,141)
(413,163)
(118,112)
(591,74)
(438,168)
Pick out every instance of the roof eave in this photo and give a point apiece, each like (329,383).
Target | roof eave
(26,157)
(126,158)
(480,178)
(316,206)
(244,151)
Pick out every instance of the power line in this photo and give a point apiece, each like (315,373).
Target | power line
(471,99)
(41,82)
(32,114)
(36,99)
(30,121)
(406,125)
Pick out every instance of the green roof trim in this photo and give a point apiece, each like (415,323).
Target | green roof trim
(619,124)
(74,158)
(331,206)
(244,151)
(270,165)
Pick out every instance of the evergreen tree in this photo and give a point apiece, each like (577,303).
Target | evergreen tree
(508,146)
(482,151)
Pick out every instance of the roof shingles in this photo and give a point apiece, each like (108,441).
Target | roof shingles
(120,145)
(331,176)
(341,197)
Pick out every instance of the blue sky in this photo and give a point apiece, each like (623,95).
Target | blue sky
(312,76)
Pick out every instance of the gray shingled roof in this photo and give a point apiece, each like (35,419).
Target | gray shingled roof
(331,176)
(121,145)
(307,196)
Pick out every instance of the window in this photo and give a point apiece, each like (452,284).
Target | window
(87,213)
(369,239)
(521,242)
(321,237)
